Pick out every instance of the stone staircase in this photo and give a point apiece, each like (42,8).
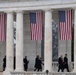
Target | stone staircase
(1,73)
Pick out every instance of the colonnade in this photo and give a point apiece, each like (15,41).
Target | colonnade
(19,41)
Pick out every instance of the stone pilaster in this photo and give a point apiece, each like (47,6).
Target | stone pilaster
(48,41)
(19,41)
(74,40)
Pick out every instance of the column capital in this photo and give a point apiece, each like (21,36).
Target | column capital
(10,11)
(19,11)
(47,10)
(74,8)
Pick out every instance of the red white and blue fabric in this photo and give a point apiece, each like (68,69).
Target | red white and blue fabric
(65,25)
(36,25)
(2,27)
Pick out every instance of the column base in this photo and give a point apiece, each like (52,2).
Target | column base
(9,69)
(74,70)
(48,70)
(21,70)
(6,72)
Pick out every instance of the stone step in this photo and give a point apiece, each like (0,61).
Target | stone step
(1,73)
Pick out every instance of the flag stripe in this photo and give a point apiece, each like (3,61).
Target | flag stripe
(65,24)
(36,26)
(2,27)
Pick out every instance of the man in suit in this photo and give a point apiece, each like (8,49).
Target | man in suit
(60,63)
(4,63)
(66,63)
(36,63)
(25,63)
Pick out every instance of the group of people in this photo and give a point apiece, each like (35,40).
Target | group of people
(63,63)
(37,66)
(38,63)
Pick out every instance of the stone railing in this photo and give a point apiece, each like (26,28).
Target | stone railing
(55,66)
(42,73)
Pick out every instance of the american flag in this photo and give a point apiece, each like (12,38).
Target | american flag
(36,25)
(65,25)
(2,27)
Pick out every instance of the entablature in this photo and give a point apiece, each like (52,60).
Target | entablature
(37,5)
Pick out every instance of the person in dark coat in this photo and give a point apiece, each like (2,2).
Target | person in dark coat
(36,63)
(25,63)
(60,63)
(4,63)
(66,63)
(40,63)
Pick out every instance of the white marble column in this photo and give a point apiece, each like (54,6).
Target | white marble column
(74,40)
(9,42)
(48,41)
(19,41)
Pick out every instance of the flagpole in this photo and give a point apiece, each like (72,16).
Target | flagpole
(66,46)
(36,47)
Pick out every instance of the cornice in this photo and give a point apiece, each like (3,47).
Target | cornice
(36,5)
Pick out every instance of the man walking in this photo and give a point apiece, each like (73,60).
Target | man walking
(36,63)
(66,63)
(4,63)
(60,63)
